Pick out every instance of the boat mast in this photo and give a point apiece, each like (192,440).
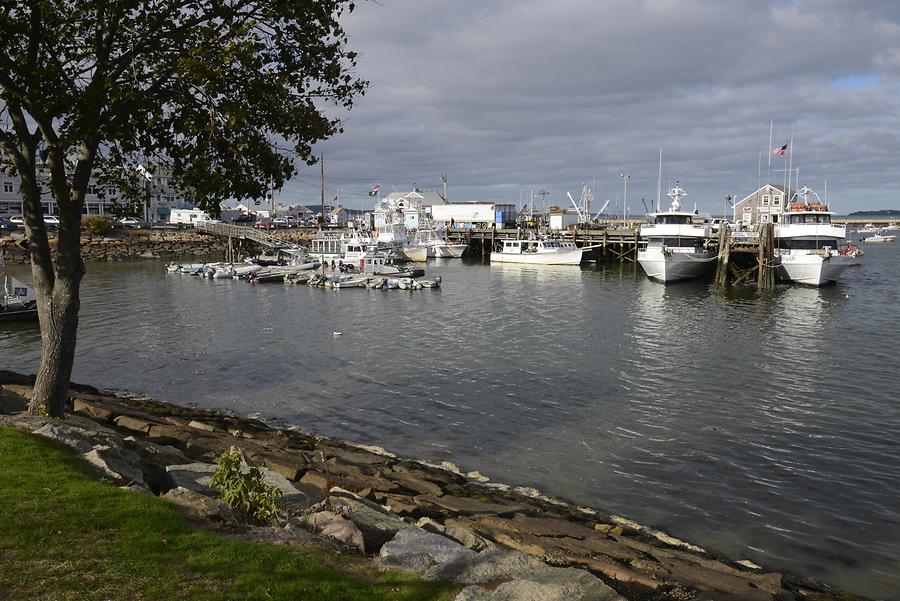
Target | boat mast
(659,182)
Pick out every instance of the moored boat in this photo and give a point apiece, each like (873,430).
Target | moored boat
(807,243)
(677,248)
(880,238)
(538,252)
(17,300)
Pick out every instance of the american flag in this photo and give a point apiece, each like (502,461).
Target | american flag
(780,152)
(374,190)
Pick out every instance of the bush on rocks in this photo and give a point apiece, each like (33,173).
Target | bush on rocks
(245,491)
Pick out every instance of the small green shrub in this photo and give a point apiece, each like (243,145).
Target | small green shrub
(244,490)
(96,225)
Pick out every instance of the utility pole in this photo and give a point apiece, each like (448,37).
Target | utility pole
(322,167)
(626,177)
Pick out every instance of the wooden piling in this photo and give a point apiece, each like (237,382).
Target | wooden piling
(724,257)
(766,257)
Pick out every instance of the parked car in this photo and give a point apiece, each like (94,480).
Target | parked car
(244,219)
(280,222)
(291,221)
(51,220)
(6,224)
(264,224)
(130,222)
(716,224)
(18,220)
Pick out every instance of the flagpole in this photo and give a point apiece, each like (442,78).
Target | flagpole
(769,168)
(759,172)
(791,158)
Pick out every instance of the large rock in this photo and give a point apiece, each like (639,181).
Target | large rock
(377,525)
(550,584)
(196,477)
(74,438)
(468,505)
(202,506)
(10,402)
(419,550)
(117,463)
(337,528)
(416,482)
(79,433)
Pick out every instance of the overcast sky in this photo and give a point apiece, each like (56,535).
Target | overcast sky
(509,96)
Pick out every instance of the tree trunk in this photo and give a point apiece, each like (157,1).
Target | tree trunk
(58,313)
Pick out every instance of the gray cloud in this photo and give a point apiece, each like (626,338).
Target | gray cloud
(507,96)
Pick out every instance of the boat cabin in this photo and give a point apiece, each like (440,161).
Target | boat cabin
(673,219)
(807,217)
(515,247)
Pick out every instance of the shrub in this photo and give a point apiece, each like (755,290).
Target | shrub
(244,490)
(96,225)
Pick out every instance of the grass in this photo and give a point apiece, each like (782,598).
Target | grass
(64,535)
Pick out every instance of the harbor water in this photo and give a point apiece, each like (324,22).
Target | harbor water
(762,428)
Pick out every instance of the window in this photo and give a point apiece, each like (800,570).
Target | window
(776,200)
(765,200)
(764,219)
(112,190)
(7,186)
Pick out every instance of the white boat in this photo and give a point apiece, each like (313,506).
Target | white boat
(677,248)
(538,252)
(222,273)
(435,244)
(880,238)
(351,283)
(807,243)
(246,270)
(417,253)
(17,300)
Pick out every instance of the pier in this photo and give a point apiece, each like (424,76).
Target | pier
(744,257)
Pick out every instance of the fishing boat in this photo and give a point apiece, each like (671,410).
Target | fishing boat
(677,248)
(538,252)
(429,244)
(880,238)
(18,301)
(807,242)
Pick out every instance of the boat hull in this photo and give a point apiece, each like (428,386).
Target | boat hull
(418,254)
(564,257)
(449,251)
(813,269)
(8,315)
(675,266)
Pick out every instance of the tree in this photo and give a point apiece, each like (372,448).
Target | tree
(227,92)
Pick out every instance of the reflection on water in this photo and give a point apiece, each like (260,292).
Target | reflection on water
(759,426)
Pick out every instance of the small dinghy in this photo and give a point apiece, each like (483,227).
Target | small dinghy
(222,273)
(351,283)
(435,283)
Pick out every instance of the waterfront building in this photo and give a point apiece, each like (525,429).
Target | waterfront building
(101,199)
(766,205)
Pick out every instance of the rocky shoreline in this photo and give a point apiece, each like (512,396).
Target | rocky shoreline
(499,542)
(141,244)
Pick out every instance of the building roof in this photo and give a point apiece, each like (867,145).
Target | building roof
(787,192)
(425,198)
(337,210)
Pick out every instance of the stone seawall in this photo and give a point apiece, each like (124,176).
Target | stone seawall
(140,245)
(500,542)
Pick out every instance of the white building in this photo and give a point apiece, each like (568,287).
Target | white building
(100,199)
